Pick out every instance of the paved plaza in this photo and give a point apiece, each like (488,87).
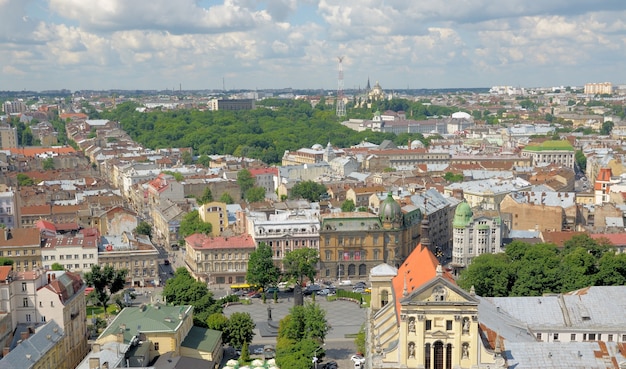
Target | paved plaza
(344,317)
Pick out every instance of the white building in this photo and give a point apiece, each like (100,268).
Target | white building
(76,253)
(473,237)
(8,212)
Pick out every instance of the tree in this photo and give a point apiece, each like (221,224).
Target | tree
(581,160)
(307,321)
(183,289)
(103,279)
(240,329)
(360,341)
(24,180)
(245,180)
(451,177)
(607,127)
(204,160)
(255,194)
(57,266)
(207,196)
(348,206)
(6,261)
(226,198)
(301,263)
(144,228)
(490,274)
(308,190)
(192,223)
(261,269)
(48,164)
(186,157)
(218,322)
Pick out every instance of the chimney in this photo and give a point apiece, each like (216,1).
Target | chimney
(5,351)
(24,335)
(94,363)
(95,347)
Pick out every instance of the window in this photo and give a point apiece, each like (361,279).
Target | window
(429,325)
(623,337)
(328,254)
(448,325)
(610,339)
(25,302)
(51,303)
(28,318)
(556,337)
(539,336)
(23,287)
(156,346)
(592,336)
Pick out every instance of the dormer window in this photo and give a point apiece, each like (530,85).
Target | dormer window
(439,293)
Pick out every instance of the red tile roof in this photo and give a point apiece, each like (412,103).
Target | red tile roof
(5,270)
(202,241)
(258,171)
(617,239)
(558,238)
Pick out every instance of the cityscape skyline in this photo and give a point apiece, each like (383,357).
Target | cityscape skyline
(254,44)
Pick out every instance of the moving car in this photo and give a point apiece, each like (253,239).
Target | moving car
(360,284)
(358,290)
(271,290)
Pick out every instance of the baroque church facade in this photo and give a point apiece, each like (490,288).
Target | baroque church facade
(419,318)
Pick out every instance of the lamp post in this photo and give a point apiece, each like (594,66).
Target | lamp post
(315,359)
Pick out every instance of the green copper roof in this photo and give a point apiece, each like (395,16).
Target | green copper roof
(148,318)
(550,146)
(463,215)
(202,339)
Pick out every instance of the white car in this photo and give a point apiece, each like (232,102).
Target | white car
(258,350)
(357,359)
(345,282)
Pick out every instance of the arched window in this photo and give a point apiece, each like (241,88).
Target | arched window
(427,355)
(438,354)
(362,269)
(351,269)
(449,356)
(384,298)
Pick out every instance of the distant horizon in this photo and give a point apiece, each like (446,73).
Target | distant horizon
(232,45)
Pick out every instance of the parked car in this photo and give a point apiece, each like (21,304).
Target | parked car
(360,284)
(314,288)
(271,290)
(357,358)
(345,282)
(330,365)
(258,351)
(323,292)
(358,290)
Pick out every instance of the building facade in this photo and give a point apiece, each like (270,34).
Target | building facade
(135,253)
(218,260)
(473,236)
(351,243)
(214,212)
(23,246)
(551,152)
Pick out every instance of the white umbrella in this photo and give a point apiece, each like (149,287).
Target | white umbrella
(232,363)
(257,363)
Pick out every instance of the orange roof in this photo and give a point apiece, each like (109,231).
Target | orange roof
(5,270)
(202,241)
(418,268)
(258,171)
(617,239)
(73,115)
(33,151)
(558,238)
(20,237)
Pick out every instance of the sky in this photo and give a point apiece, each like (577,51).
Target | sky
(271,44)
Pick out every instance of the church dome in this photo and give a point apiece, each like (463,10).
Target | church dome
(390,210)
(417,144)
(463,215)
(317,147)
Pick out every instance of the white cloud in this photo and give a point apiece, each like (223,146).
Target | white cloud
(279,43)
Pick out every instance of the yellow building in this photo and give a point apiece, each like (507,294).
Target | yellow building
(23,246)
(351,243)
(41,348)
(420,318)
(215,213)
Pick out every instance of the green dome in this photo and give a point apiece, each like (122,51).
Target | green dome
(463,215)
(390,210)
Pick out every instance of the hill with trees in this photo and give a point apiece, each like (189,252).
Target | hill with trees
(263,133)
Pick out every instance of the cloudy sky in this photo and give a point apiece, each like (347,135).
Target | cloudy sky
(247,44)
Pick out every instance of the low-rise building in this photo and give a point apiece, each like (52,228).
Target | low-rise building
(23,246)
(218,260)
(132,252)
(551,152)
(214,212)
(75,252)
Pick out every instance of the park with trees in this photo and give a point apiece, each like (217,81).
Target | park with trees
(533,270)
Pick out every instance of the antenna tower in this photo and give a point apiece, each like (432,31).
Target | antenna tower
(341,107)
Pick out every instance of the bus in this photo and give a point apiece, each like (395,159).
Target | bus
(244,287)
